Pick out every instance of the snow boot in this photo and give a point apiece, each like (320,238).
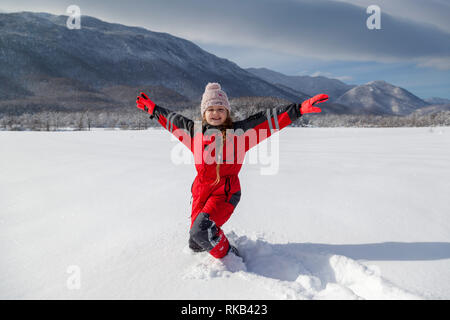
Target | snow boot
(194,246)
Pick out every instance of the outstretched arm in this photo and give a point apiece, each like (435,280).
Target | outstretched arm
(263,124)
(181,127)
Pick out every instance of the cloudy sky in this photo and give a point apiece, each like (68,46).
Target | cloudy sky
(298,37)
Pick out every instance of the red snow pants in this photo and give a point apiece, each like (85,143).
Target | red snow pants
(212,206)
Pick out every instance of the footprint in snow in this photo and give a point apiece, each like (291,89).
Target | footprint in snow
(289,272)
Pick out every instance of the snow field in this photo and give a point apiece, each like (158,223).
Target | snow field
(351,214)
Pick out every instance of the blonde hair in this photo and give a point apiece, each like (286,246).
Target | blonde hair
(227,124)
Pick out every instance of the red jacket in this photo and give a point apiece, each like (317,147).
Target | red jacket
(244,135)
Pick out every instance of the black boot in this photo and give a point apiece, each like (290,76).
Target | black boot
(194,246)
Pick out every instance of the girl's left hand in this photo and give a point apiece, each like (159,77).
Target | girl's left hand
(143,102)
(308,105)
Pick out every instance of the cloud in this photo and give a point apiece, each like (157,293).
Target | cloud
(435,12)
(331,76)
(323,29)
(315,29)
(437,63)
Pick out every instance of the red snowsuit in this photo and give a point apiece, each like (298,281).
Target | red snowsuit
(212,205)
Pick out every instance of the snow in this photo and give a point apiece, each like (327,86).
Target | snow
(352,213)
(382,98)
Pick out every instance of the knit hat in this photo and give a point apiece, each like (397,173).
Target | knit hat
(214,96)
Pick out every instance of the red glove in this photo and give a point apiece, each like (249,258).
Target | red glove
(308,105)
(144,103)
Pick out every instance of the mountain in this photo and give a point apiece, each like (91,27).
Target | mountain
(46,66)
(382,98)
(432,109)
(36,46)
(127,95)
(376,97)
(64,94)
(307,84)
(436,100)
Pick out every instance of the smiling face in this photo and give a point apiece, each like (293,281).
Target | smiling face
(216,115)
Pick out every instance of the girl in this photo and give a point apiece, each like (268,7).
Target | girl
(219,148)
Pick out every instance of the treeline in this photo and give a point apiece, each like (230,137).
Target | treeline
(134,119)
(413,120)
(54,121)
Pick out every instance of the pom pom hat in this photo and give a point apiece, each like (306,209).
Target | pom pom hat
(214,96)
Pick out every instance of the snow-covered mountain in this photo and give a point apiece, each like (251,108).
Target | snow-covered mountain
(432,109)
(307,84)
(380,97)
(437,100)
(375,97)
(45,65)
(102,54)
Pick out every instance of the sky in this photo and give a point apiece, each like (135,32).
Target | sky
(298,37)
